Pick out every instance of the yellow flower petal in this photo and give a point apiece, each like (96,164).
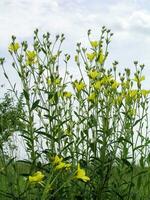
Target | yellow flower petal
(139,79)
(81,174)
(30,57)
(57,160)
(115,85)
(90,56)
(67,166)
(79,85)
(97,85)
(36,177)
(61,165)
(94,44)
(13,47)
(101,58)
(145,92)
(57,81)
(93,74)
(67,94)
(92,97)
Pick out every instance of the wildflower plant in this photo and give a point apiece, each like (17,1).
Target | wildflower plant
(86,138)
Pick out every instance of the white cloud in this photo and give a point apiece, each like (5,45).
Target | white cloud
(22,17)
(72,17)
(129,20)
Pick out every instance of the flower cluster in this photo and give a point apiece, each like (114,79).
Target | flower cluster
(59,164)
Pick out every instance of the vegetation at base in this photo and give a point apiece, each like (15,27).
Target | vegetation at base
(85,138)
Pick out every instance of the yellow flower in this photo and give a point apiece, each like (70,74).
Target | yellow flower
(67,166)
(101,58)
(59,164)
(133,93)
(80,174)
(49,81)
(90,56)
(97,85)
(67,94)
(132,112)
(139,79)
(57,81)
(115,85)
(145,92)
(118,100)
(94,44)
(36,177)
(63,165)
(107,79)
(92,97)
(57,160)
(31,57)
(13,47)
(125,84)
(79,86)
(93,74)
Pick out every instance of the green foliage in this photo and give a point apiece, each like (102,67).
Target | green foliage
(10,115)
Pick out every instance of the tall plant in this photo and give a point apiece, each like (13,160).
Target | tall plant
(88,137)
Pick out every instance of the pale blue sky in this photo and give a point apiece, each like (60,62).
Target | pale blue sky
(129,20)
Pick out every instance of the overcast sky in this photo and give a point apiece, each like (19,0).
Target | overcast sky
(129,20)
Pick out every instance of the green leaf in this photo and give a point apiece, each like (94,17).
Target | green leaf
(35,104)
(26,94)
(67,146)
(92,145)
(137,121)
(139,181)
(142,161)
(10,161)
(126,162)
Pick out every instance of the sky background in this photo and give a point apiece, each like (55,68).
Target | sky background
(129,20)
